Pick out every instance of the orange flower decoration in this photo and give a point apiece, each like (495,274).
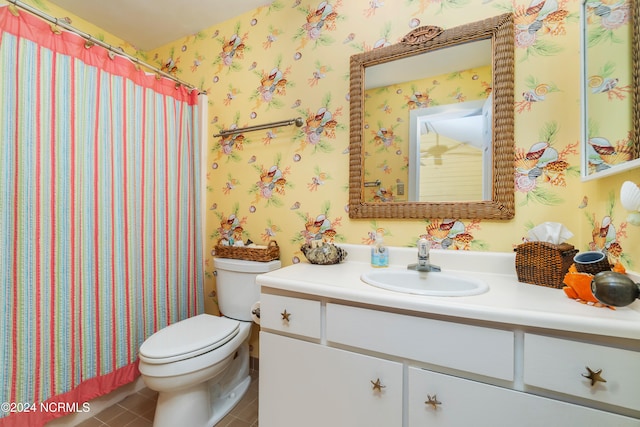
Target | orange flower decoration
(579,287)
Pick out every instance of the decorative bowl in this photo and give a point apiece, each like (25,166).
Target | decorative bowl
(318,252)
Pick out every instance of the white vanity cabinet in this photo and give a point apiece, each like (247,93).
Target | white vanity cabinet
(327,362)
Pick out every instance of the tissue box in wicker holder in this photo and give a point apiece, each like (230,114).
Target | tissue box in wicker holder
(271,252)
(543,263)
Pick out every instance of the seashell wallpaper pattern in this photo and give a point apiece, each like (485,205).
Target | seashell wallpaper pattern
(290,184)
(608,84)
(291,59)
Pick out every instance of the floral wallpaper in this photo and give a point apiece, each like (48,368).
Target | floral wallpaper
(290,184)
(291,59)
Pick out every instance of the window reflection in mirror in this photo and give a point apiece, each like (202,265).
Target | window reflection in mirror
(450,152)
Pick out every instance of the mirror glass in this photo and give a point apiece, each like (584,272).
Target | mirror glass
(448,138)
(610,79)
(432,125)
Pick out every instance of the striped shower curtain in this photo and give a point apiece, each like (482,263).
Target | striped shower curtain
(99,217)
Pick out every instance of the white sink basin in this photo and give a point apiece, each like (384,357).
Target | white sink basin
(424,283)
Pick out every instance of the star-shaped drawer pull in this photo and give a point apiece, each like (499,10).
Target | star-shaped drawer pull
(285,315)
(594,376)
(377,385)
(433,401)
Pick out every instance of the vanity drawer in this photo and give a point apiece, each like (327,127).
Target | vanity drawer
(292,315)
(475,349)
(439,400)
(559,365)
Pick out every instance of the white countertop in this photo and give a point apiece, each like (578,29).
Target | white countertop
(507,301)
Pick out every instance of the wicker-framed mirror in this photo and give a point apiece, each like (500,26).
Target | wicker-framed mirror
(426,41)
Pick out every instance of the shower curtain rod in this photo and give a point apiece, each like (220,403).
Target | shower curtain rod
(92,39)
(297,121)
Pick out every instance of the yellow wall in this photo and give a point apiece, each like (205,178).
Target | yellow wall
(291,59)
(310,48)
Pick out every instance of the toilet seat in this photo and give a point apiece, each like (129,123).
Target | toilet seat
(188,338)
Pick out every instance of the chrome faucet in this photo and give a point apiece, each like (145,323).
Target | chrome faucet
(423,258)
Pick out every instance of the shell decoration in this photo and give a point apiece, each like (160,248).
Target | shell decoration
(630,196)
(322,253)
(422,35)
(630,200)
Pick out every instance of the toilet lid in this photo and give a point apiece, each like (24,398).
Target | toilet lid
(188,338)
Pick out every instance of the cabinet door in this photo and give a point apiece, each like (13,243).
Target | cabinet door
(464,403)
(307,384)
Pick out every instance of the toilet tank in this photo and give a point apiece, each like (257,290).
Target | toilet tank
(237,289)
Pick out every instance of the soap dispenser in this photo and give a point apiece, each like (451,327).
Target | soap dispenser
(379,252)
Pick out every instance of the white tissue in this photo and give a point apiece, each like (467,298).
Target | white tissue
(551,232)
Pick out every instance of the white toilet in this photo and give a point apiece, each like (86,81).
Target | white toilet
(200,366)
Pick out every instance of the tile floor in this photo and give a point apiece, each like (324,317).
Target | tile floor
(137,410)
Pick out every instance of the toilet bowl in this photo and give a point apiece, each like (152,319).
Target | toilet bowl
(200,366)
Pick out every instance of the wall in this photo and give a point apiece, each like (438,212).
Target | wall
(291,59)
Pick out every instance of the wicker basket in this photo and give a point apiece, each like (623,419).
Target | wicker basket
(271,252)
(542,263)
